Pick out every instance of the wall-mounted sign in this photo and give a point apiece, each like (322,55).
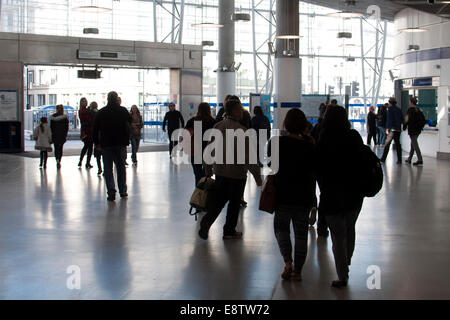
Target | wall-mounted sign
(8,105)
(420,82)
(106,55)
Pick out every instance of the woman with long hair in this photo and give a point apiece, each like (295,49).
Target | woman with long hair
(207,122)
(340,199)
(59,125)
(136,131)
(295,185)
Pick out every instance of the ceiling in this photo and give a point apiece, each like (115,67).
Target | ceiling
(388,7)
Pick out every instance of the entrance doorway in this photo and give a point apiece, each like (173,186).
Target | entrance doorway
(49,85)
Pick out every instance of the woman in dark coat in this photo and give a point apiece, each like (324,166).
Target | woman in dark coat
(260,121)
(87,123)
(207,122)
(340,199)
(59,124)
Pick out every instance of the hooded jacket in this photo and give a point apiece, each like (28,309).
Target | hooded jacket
(59,124)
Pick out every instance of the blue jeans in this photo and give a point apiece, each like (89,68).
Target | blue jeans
(382,138)
(116,155)
(135,141)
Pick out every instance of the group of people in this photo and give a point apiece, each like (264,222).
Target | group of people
(56,134)
(304,154)
(304,161)
(387,125)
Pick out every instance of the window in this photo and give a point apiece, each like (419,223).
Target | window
(30,77)
(41,100)
(54,76)
(41,77)
(52,99)
(65,99)
(30,101)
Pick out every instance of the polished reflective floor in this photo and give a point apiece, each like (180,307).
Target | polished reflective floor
(146,247)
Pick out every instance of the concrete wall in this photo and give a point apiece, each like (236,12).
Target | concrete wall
(437,37)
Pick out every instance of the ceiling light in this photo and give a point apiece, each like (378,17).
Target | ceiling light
(92,9)
(345,14)
(207,25)
(413,30)
(207,43)
(239,16)
(347,35)
(288,37)
(90,30)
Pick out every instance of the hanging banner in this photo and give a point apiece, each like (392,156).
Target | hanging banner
(8,105)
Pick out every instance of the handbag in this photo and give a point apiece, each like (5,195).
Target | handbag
(199,197)
(267,202)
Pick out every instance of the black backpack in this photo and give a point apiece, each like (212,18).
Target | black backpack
(371,173)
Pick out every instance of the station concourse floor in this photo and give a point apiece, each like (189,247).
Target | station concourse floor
(147,247)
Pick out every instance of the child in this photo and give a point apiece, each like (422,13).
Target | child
(43,137)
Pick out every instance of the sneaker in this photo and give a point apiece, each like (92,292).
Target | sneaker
(235,235)
(124,195)
(99,172)
(407,161)
(111,198)
(88,166)
(418,163)
(339,283)
(79,164)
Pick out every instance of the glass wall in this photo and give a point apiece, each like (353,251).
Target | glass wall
(326,63)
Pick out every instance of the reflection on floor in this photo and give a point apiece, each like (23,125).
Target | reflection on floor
(147,247)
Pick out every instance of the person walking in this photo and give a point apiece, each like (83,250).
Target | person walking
(207,122)
(260,122)
(136,131)
(414,122)
(381,122)
(340,198)
(221,113)
(59,125)
(295,187)
(93,109)
(111,134)
(394,121)
(230,178)
(87,121)
(173,120)
(43,136)
(371,126)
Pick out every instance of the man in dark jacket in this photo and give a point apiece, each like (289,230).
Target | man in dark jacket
(415,121)
(59,125)
(371,126)
(174,120)
(112,133)
(394,121)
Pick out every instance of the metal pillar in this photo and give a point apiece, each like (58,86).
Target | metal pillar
(288,79)
(226,76)
(376,64)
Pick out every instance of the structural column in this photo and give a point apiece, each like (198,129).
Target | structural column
(288,73)
(226,77)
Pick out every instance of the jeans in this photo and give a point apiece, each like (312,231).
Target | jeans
(343,235)
(382,138)
(415,147)
(199,172)
(393,135)
(282,225)
(88,147)
(224,190)
(135,141)
(58,152)
(116,155)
